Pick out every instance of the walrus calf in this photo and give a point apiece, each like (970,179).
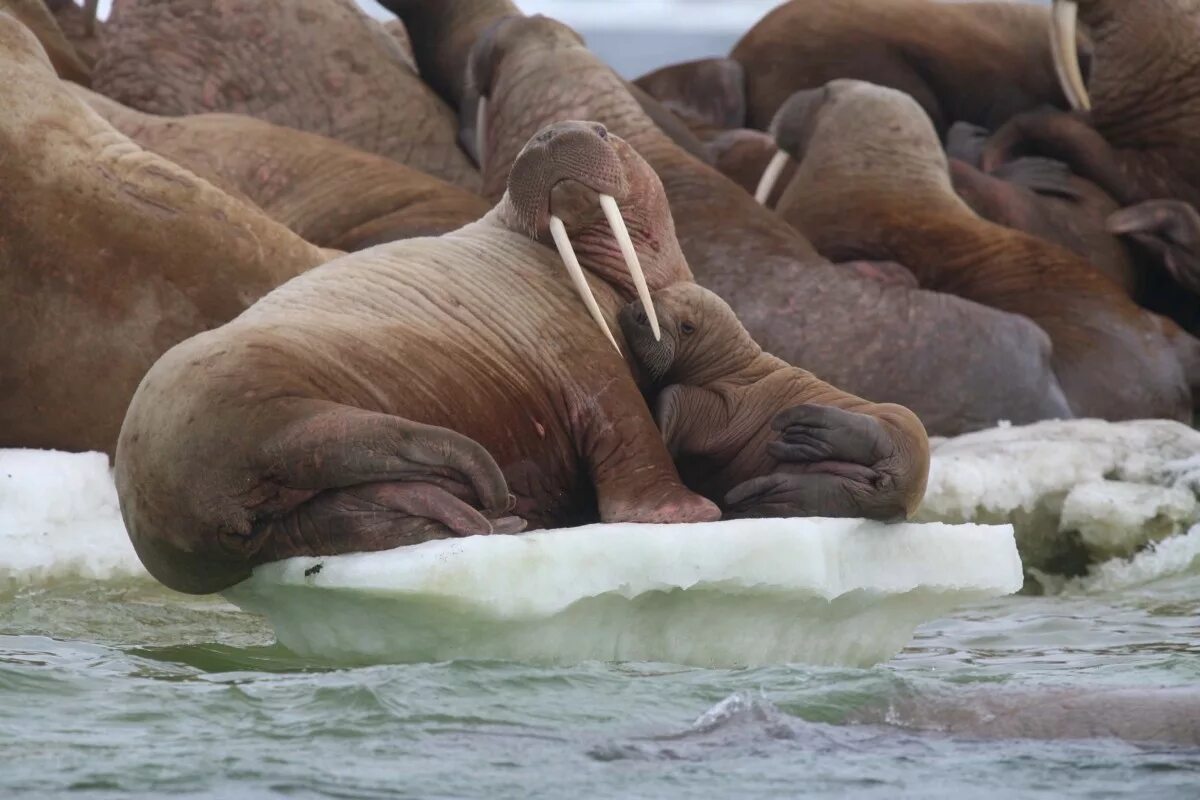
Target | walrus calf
(399,394)
(873,183)
(840,456)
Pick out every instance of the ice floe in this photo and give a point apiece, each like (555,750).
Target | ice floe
(1077,493)
(819,591)
(59,520)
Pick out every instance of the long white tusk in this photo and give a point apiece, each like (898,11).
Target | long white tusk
(559,232)
(1064,22)
(481,132)
(770,176)
(621,233)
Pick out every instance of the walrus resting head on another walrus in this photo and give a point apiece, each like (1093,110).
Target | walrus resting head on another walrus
(838,455)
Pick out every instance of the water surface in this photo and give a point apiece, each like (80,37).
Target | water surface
(124,689)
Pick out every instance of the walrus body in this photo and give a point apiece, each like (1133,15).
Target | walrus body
(392,396)
(727,401)
(109,255)
(873,183)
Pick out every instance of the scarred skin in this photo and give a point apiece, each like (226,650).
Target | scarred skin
(726,402)
(400,394)
(875,339)
(320,66)
(885,193)
(980,62)
(329,193)
(109,255)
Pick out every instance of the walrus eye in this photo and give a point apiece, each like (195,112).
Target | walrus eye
(687,328)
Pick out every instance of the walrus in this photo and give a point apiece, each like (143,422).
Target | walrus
(873,183)
(329,193)
(401,393)
(109,255)
(719,413)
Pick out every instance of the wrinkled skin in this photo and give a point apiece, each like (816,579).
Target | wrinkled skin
(1149,250)
(872,338)
(402,393)
(153,255)
(1166,715)
(320,66)
(36,16)
(328,193)
(1140,139)
(725,403)
(979,62)
(885,193)
(1046,200)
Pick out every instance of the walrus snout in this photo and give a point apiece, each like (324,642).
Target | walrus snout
(551,188)
(654,355)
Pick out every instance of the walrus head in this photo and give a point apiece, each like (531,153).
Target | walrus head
(589,194)
(702,339)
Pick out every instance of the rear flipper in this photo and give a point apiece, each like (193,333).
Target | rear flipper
(1170,229)
(341,479)
(834,463)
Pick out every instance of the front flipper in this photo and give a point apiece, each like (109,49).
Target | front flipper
(1170,229)
(812,433)
(1064,137)
(833,463)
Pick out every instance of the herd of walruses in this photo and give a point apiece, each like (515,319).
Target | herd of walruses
(322,284)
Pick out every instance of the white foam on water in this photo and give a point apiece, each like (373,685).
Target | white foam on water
(819,591)
(59,519)
(1178,555)
(1105,489)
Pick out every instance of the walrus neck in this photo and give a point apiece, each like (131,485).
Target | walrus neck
(443,32)
(739,365)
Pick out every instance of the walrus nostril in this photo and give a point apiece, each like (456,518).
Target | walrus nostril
(642,319)
(544,136)
(602,132)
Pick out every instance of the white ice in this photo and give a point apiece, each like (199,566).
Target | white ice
(818,591)
(1122,494)
(59,520)
(1085,489)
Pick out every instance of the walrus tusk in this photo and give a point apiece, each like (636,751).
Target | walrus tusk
(480,132)
(770,177)
(559,232)
(90,9)
(1064,22)
(621,234)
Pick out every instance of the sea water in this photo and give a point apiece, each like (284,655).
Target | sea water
(124,689)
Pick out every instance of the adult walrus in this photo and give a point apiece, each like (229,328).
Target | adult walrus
(719,413)
(329,193)
(877,339)
(398,394)
(109,255)
(873,183)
